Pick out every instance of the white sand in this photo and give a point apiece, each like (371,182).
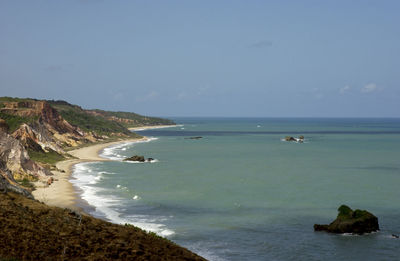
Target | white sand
(61,192)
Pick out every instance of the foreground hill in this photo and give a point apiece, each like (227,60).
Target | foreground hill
(33,231)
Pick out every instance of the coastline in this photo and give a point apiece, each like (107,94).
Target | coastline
(61,192)
(152,127)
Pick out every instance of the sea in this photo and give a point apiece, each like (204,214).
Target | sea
(241,192)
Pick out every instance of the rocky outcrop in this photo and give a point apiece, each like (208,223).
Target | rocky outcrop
(349,221)
(50,130)
(299,139)
(139,159)
(135,158)
(15,159)
(8,183)
(37,138)
(3,126)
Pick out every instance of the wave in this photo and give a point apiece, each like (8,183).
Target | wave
(113,152)
(139,162)
(108,205)
(157,127)
(296,140)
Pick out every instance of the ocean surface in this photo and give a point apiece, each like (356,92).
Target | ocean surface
(242,193)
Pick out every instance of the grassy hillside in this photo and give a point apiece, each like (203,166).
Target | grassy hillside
(14,121)
(34,231)
(104,121)
(75,115)
(134,119)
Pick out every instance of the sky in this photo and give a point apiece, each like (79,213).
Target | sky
(206,58)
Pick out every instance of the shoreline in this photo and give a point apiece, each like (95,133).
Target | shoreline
(153,127)
(61,193)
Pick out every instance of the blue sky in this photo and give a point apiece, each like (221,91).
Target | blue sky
(206,58)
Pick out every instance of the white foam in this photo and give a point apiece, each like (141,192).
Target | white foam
(140,162)
(156,127)
(296,140)
(85,178)
(114,152)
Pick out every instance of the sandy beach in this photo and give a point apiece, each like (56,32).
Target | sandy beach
(61,193)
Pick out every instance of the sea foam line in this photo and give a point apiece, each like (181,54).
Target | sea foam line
(86,176)
(112,152)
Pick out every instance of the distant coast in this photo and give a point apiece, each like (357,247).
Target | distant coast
(152,127)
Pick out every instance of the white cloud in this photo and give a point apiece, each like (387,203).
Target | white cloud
(344,89)
(370,87)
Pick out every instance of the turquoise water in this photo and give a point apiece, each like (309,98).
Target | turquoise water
(241,193)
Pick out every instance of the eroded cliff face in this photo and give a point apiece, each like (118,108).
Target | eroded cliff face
(37,138)
(15,158)
(50,131)
(15,164)
(8,183)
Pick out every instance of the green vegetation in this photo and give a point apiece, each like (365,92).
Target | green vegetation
(75,115)
(344,211)
(135,119)
(98,121)
(25,182)
(359,213)
(89,122)
(104,122)
(8,259)
(14,121)
(50,157)
(12,99)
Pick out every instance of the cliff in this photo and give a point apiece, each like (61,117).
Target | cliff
(43,131)
(34,134)
(15,165)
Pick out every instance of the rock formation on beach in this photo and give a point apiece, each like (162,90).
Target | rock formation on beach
(349,221)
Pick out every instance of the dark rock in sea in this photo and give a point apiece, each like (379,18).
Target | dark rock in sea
(150,159)
(395,236)
(135,158)
(289,138)
(349,221)
(194,138)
